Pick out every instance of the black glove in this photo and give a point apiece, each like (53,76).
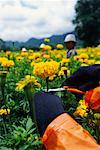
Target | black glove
(47,108)
(85,78)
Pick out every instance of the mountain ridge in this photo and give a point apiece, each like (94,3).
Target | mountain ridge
(33,42)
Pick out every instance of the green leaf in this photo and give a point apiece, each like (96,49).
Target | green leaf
(31,131)
(5,148)
(29,124)
(24,147)
(15,127)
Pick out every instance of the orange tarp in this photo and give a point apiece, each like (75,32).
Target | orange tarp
(63,133)
(92,98)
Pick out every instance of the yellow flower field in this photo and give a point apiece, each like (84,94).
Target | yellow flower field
(22,74)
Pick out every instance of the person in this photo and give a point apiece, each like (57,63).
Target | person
(59,131)
(24,49)
(70,42)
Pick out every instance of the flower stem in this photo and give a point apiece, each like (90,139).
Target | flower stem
(30,98)
(4,126)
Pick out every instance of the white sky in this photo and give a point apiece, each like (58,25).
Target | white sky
(23,19)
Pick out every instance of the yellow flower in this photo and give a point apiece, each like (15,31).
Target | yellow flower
(46,48)
(30,51)
(46,69)
(76,57)
(19,58)
(68,72)
(46,56)
(81,60)
(81,102)
(81,110)
(3,59)
(33,63)
(7,63)
(59,56)
(97,116)
(38,60)
(83,56)
(8,53)
(98,54)
(27,81)
(31,57)
(97,62)
(24,54)
(65,61)
(59,46)
(83,64)
(46,40)
(36,55)
(91,61)
(91,55)
(64,72)
(61,73)
(4,111)
(63,68)
(85,61)
(52,77)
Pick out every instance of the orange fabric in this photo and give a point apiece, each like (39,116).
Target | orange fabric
(75,91)
(92,98)
(64,133)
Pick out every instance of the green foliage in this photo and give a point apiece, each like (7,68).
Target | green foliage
(22,137)
(69,101)
(91,124)
(87,21)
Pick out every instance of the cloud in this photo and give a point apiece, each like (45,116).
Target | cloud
(23,19)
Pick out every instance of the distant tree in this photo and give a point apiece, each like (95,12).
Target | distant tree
(2,45)
(87,21)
